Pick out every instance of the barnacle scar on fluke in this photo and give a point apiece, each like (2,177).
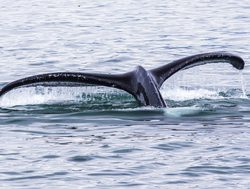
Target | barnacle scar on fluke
(143,84)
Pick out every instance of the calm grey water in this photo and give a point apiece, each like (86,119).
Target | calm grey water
(95,137)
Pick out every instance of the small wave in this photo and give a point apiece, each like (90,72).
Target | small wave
(183,111)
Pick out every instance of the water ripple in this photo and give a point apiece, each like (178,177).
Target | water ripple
(78,137)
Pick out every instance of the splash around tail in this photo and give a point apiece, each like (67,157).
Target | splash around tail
(143,84)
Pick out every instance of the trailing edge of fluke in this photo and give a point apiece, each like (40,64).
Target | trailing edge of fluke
(143,84)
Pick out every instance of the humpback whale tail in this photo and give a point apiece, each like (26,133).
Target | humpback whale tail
(142,84)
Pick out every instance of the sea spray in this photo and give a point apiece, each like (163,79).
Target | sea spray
(51,95)
(243,86)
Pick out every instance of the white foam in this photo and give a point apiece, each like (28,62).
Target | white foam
(49,95)
(182,111)
(181,94)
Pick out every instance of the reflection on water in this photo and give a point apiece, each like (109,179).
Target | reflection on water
(63,137)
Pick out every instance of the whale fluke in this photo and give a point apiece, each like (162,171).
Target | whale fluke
(142,84)
(164,72)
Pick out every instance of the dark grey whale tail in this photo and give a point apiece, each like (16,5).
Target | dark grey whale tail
(142,84)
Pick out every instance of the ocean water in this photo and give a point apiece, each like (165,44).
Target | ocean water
(96,137)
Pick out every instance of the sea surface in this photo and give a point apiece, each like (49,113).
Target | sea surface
(96,137)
